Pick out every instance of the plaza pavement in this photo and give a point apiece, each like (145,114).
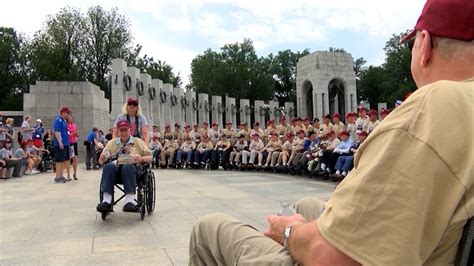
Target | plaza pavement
(44,223)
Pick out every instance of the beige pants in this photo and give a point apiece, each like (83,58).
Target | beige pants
(219,239)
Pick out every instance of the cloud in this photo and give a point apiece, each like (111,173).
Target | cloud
(176,31)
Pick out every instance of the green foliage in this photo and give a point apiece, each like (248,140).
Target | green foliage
(71,46)
(14,69)
(237,70)
(392,80)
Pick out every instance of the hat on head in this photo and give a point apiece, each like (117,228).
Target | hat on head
(187,126)
(373,112)
(132,100)
(298,119)
(363,133)
(205,136)
(398,102)
(39,120)
(195,125)
(311,132)
(154,137)
(289,135)
(256,124)
(361,108)
(328,116)
(305,118)
(65,109)
(167,126)
(300,131)
(336,115)
(205,123)
(177,125)
(350,114)
(214,124)
(123,124)
(385,111)
(451,19)
(274,133)
(283,118)
(331,133)
(24,142)
(344,132)
(228,123)
(255,134)
(241,136)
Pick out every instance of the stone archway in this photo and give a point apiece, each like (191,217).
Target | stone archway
(336,93)
(308,93)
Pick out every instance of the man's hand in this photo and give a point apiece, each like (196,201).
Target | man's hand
(61,145)
(136,158)
(278,225)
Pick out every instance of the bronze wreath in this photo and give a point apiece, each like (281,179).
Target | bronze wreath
(127,82)
(140,88)
(234,109)
(220,108)
(248,110)
(174,100)
(194,104)
(163,96)
(208,106)
(184,102)
(152,93)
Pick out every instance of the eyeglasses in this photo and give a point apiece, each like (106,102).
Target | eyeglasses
(411,42)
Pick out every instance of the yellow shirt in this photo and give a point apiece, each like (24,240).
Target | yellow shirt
(410,192)
(134,146)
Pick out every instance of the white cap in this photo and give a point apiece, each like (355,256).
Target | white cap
(39,120)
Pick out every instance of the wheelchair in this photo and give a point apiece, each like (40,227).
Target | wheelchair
(145,191)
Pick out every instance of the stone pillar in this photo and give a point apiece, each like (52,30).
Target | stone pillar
(380,107)
(319,105)
(274,111)
(166,108)
(145,98)
(134,73)
(157,85)
(245,111)
(218,111)
(258,106)
(290,111)
(118,94)
(178,111)
(191,108)
(231,111)
(203,107)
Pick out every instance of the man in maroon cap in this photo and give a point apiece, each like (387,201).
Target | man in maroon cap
(337,125)
(61,143)
(383,113)
(373,121)
(411,190)
(130,150)
(351,125)
(362,121)
(196,134)
(230,132)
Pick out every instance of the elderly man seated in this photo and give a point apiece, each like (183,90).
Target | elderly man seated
(129,151)
(411,190)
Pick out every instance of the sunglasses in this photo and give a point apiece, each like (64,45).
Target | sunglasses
(133,104)
(123,129)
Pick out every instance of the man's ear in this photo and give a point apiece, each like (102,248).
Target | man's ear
(425,49)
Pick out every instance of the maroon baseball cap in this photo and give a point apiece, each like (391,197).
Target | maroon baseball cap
(453,19)
(65,109)
(132,101)
(363,133)
(344,132)
(123,124)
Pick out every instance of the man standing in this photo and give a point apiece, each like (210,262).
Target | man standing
(390,209)
(91,144)
(26,129)
(60,142)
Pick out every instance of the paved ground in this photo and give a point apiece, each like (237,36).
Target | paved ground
(46,223)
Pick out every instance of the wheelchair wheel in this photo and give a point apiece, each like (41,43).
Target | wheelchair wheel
(151,193)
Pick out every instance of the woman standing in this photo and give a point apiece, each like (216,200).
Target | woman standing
(131,112)
(10,133)
(73,135)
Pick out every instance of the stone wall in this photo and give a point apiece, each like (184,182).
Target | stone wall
(86,100)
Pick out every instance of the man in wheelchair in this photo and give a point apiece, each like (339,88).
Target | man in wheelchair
(120,156)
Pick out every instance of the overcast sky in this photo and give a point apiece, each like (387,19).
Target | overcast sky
(176,31)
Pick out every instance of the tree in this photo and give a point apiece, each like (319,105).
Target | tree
(14,69)
(336,50)
(283,68)
(108,36)
(359,66)
(235,70)
(57,51)
(157,70)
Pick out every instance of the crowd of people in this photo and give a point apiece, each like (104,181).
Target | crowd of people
(313,147)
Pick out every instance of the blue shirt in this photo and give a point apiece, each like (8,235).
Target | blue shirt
(60,126)
(92,135)
(308,145)
(344,146)
(38,133)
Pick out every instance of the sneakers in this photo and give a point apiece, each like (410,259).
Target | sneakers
(27,172)
(129,207)
(34,172)
(60,179)
(104,207)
